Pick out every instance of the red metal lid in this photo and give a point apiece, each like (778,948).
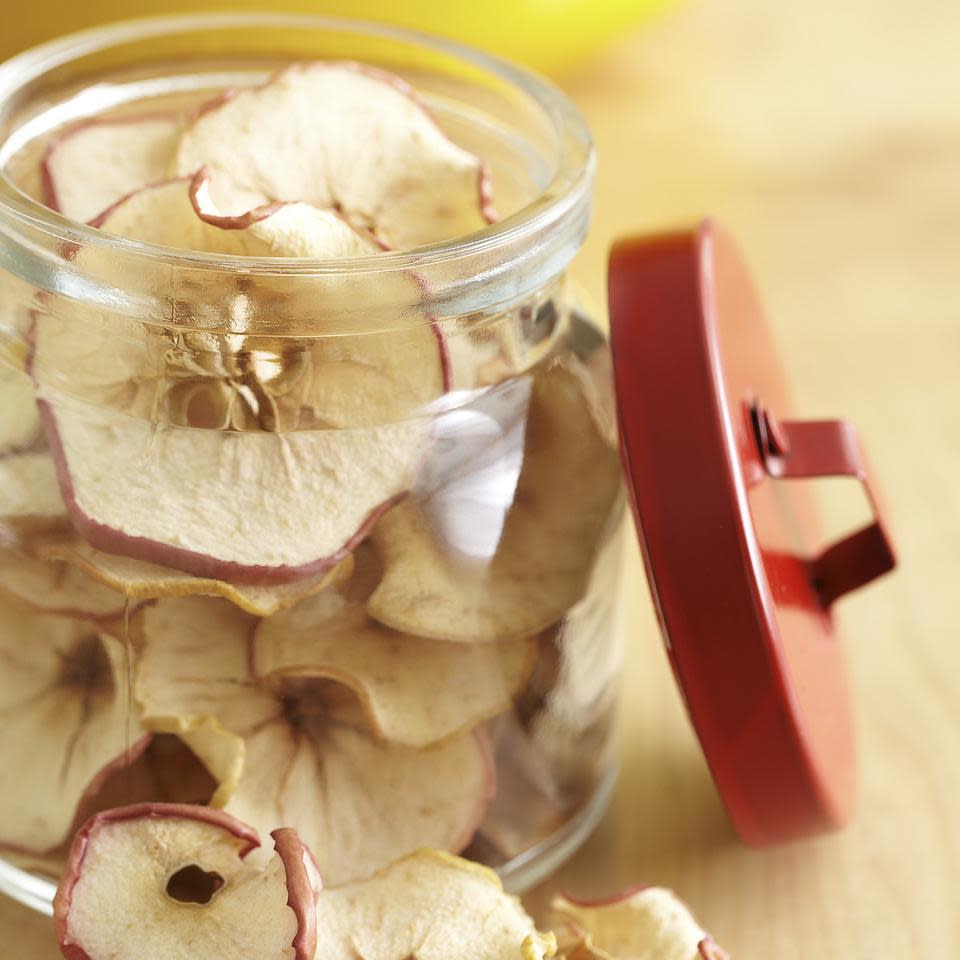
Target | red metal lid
(742,586)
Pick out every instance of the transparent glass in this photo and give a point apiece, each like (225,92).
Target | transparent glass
(330,544)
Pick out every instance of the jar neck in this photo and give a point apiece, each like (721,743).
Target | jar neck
(533,138)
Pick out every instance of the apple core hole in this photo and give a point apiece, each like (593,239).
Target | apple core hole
(193,884)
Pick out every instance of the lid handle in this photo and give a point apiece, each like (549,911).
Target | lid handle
(804,449)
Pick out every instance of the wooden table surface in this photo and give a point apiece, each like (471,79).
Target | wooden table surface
(827,136)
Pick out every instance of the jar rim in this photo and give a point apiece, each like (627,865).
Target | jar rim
(562,199)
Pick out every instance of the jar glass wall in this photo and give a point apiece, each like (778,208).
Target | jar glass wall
(329,544)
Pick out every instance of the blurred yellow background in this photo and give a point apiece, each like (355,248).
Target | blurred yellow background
(546,34)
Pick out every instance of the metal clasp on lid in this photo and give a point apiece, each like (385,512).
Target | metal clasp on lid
(805,449)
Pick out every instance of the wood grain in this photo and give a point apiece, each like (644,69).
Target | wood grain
(826,136)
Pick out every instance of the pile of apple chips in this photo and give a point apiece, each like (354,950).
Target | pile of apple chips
(296,577)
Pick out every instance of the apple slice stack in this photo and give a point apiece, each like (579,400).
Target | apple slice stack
(294,554)
(161,882)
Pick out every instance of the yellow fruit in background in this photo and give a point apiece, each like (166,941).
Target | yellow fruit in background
(549,35)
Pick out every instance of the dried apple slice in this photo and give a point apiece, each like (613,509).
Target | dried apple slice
(431,906)
(221,753)
(140,580)
(344,136)
(225,515)
(310,760)
(93,164)
(212,702)
(167,771)
(362,380)
(641,923)
(157,881)
(66,722)
(487,350)
(359,377)
(56,588)
(179,213)
(194,662)
(361,803)
(142,370)
(415,692)
(568,487)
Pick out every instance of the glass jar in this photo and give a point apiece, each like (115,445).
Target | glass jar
(330,544)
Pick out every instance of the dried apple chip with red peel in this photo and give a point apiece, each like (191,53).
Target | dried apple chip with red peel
(225,515)
(415,691)
(432,906)
(140,580)
(360,803)
(95,163)
(209,703)
(157,881)
(66,723)
(304,884)
(368,356)
(194,662)
(641,923)
(90,354)
(178,213)
(343,136)
(568,487)
(365,379)
(360,376)
(309,757)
